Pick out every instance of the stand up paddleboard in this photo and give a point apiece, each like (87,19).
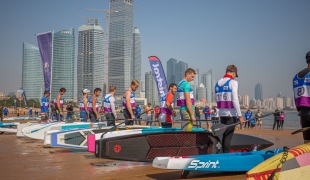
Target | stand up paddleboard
(20,118)
(7,127)
(296,165)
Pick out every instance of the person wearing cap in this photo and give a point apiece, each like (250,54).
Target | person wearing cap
(59,103)
(226,90)
(148,110)
(93,106)
(129,102)
(186,101)
(44,106)
(83,106)
(301,87)
(109,106)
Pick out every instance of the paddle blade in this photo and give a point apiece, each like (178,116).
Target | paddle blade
(218,129)
(301,130)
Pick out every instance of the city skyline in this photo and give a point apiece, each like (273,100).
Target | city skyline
(266,40)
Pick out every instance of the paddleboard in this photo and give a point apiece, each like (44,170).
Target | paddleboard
(37,131)
(11,130)
(20,118)
(20,127)
(78,138)
(295,166)
(146,147)
(2,124)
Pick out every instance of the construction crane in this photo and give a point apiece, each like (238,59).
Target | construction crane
(107,40)
(88,18)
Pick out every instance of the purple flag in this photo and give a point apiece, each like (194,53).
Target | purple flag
(45,46)
(159,75)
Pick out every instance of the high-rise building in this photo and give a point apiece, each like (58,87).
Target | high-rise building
(136,57)
(63,63)
(90,63)
(287,102)
(171,70)
(207,82)
(246,100)
(151,93)
(32,72)
(259,91)
(180,70)
(120,44)
(279,102)
(279,95)
(201,92)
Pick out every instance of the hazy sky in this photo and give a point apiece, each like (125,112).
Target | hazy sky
(266,40)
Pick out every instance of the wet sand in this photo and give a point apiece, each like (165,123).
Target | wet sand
(25,158)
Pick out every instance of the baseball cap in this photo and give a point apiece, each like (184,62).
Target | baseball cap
(232,68)
(86,91)
(47,92)
(308,55)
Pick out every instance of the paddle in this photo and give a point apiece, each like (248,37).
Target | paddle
(114,127)
(219,128)
(301,130)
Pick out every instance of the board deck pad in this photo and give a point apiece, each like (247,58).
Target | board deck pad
(146,147)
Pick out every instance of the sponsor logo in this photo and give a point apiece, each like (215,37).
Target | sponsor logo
(307,80)
(160,85)
(66,32)
(117,148)
(225,87)
(295,82)
(196,164)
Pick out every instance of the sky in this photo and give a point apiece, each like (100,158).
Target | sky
(266,40)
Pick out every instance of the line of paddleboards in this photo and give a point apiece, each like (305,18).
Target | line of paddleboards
(21,118)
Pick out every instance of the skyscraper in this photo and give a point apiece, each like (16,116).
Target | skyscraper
(207,82)
(259,91)
(180,70)
(63,63)
(136,57)
(151,93)
(246,100)
(201,92)
(171,68)
(32,72)
(90,65)
(120,44)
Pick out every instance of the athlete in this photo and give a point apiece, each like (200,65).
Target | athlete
(148,110)
(207,113)
(44,106)
(137,114)
(109,107)
(248,116)
(5,112)
(83,106)
(93,106)
(185,99)
(166,107)
(226,90)
(59,103)
(129,102)
(301,87)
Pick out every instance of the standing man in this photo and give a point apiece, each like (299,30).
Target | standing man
(148,110)
(185,99)
(109,107)
(301,87)
(129,102)
(1,112)
(83,106)
(59,103)
(137,114)
(69,109)
(5,112)
(207,113)
(259,115)
(226,90)
(30,112)
(156,111)
(44,106)
(248,116)
(93,106)
(215,115)
(276,119)
(166,107)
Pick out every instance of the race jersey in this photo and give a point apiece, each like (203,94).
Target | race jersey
(302,90)
(248,115)
(107,103)
(223,96)
(138,111)
(82,106)
(165,112)
(44,104)
(5,110)
(90,104)
(207,112)
(30,111)
(183,87)
(61,102)
(132,100)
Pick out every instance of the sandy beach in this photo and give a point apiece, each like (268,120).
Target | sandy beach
(25,158)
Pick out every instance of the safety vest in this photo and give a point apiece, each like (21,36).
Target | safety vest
(301,90)
(132,100)
(44,102)
(61,102)
(90,104)
(181,97)
(223,95)
(82,107)
(163,107)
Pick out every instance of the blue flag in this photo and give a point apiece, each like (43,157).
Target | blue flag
(159,76)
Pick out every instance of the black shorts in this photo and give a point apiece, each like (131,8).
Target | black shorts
(305,122)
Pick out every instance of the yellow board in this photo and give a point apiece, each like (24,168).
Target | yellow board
(264,169)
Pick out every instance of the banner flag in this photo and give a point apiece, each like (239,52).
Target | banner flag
(45,46)
(159,76)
